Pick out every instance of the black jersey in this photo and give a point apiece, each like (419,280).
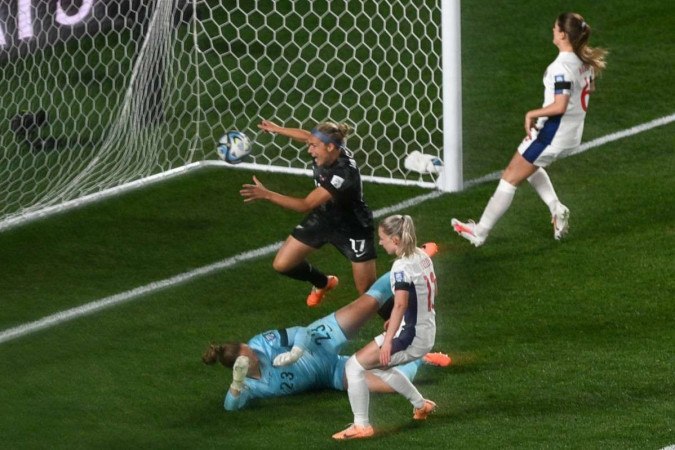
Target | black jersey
(347,208)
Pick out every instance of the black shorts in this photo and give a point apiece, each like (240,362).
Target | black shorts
(356,243)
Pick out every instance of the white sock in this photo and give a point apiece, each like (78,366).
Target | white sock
(541,183)
(499,203)
(359,396)
(401,384)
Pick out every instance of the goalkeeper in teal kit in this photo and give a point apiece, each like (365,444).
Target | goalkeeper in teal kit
(310,355)
(254,375)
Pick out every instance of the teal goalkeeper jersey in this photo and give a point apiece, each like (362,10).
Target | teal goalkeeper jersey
(314,370)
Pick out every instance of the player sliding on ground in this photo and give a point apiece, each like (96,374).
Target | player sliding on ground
(255,376)
(410,332)
(551,131)
(337,213)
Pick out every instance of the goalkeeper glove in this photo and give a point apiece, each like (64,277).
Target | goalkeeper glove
(239,371)
(289,357)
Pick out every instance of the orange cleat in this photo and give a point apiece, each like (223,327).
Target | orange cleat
(314,298)
(437,359)
(355,432)
(423,412)
(430,248)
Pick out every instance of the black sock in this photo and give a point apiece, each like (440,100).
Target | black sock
(306,272)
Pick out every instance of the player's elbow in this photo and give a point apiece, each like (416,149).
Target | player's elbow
(304,208)
(232,406)
(233,402)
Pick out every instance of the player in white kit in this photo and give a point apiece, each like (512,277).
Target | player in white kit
(410,332)
(551,131)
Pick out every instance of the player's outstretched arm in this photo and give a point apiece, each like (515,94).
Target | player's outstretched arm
(297,134)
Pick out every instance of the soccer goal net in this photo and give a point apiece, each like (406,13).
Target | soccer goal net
(99,95)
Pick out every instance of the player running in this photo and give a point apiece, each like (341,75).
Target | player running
(337,212)
(551,131)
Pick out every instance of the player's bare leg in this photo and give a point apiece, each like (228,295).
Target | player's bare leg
(518,170)
(353,316)
(291,260)
(291,253)
(364,275)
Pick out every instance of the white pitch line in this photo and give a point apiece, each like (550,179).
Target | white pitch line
(89,308)
(95,306)
(624,133)
(588,145)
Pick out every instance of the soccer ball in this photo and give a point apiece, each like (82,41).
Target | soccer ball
(233,147)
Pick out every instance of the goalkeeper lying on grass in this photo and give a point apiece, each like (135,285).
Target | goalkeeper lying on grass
(315,365)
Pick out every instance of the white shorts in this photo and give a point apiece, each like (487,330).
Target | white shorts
(538,152)
(412,352)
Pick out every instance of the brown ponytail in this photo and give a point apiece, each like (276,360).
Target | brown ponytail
(337,132)
(578,33)
(226,353)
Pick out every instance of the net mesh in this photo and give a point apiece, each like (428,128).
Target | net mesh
(101,93)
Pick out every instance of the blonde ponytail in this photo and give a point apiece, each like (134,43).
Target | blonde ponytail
(403,228)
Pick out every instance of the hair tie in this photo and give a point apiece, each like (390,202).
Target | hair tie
(583,25)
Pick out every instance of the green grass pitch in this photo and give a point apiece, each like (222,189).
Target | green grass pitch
(555,344)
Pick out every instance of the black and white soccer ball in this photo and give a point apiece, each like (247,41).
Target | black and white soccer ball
(233,147)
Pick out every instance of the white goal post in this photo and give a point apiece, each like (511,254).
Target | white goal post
(101,96)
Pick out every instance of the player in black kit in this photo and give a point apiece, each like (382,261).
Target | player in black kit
(337,213)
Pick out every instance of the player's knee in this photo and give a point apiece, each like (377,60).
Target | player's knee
(364,278)
(280,268)
(280,265)
(353,368)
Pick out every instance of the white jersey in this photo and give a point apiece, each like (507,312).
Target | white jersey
(567,75)
(415,274)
